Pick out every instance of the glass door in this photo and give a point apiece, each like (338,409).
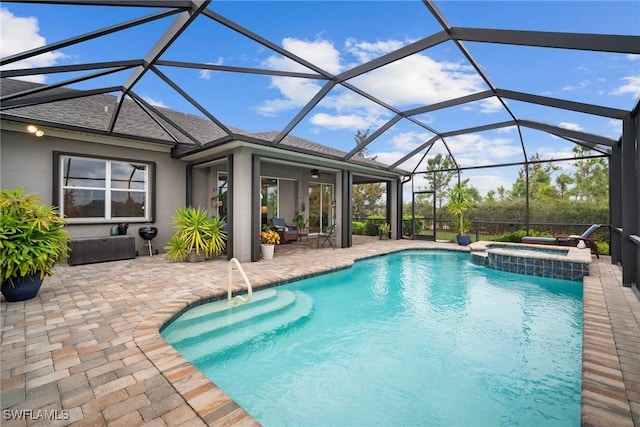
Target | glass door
(321,209)
(268,200)
(219,201)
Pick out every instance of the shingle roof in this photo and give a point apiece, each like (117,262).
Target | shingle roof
(92,113)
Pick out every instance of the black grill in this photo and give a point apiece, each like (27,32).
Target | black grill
(148,233)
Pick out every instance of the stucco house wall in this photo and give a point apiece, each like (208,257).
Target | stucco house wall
(77,127)
(28,161)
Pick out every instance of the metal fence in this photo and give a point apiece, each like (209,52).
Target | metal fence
(480,229)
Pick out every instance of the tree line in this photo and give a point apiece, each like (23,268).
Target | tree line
(579,195)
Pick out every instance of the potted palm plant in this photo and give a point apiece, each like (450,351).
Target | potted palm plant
(32,242)
(197,236)
(459,204)
(384,230)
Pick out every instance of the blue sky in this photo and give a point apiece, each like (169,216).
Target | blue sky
(339,35)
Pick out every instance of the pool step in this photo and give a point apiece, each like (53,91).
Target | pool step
(223,305)
(232,339)
(221,315)
(210,343)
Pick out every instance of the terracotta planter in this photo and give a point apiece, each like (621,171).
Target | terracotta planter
(267,251)
(23,288)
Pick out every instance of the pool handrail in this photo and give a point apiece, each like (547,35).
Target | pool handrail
(232,262)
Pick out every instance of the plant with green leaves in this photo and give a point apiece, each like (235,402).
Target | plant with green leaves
(459,204)
(299,220)
(196,232)
(32,238)
(384,228)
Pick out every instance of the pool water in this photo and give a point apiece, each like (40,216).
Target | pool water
(412,338)
(529,251)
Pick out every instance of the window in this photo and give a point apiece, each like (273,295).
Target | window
(95,189)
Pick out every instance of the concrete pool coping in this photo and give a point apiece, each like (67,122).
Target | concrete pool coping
(89,344)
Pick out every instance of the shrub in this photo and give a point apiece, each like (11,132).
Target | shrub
(32,238)
(603,247)
(372,223)
(359,228)
(407,226)
(196,232)
(517,235)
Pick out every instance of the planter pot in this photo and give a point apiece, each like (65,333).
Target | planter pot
(267,251)
(23,288)
(195,257)
(463,239)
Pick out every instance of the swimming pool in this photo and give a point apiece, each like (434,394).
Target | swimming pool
(412,338)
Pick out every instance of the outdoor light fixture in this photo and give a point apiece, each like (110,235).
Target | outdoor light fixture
(34,130)
(315,173)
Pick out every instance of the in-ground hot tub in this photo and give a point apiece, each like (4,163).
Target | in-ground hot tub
(558,262)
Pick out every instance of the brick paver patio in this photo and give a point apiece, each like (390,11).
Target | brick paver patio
(86,351)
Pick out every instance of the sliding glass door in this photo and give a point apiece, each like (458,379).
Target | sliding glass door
(268,200)
(321,208)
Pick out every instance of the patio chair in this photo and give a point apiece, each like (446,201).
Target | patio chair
(326,235)
(287,233)
(567,239)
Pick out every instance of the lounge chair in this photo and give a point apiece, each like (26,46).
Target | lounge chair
(287,233)
(567,239)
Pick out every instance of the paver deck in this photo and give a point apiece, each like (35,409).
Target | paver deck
(87,352)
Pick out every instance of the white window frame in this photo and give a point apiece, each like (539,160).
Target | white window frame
(108,190)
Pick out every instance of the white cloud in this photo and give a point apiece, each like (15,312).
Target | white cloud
(490,105)
(319,52)
(615,128)
(487,105)
(296,93)
(468,150)
(546,153)
(631,86)
(580,85)
(409,141)
(419,80)
(476,150)
(206,74)
(571,126)
(390,157)
(20,34)
(400,145)
(484,182)
(415,80)
(632,57)
(367,51)
(155,102)
(335,122)
(507,129)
